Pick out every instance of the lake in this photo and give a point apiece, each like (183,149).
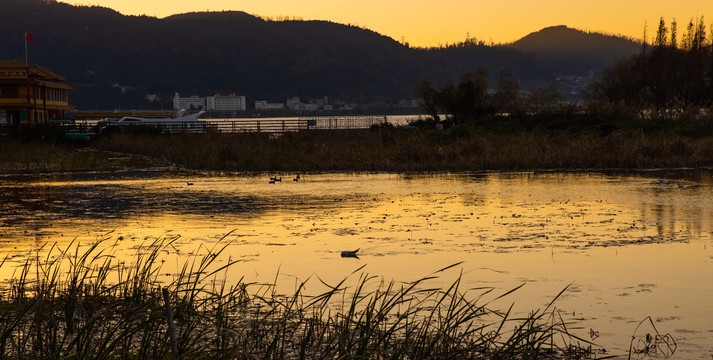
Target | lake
(627,246)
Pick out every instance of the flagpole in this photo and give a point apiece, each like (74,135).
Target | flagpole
(28,37)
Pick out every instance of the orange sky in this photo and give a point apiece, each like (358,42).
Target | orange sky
(431,23)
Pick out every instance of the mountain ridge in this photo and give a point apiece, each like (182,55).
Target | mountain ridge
(205,53)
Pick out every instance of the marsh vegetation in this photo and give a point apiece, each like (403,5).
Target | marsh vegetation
(462,148)
(81,302)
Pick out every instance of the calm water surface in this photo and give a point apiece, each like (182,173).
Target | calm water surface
(627,246)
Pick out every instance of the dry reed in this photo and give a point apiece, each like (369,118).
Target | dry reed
(400,150)
(81,302)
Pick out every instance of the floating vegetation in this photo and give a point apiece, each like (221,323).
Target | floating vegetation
(83,302)
(651,342)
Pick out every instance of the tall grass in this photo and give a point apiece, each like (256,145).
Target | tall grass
(81,302)
(461,148)
(393,149)
(37,157)
(23,157)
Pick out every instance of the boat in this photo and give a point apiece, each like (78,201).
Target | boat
(180,116)
(176,122)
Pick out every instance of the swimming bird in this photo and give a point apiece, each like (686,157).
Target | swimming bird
(662,181)
(188,183)
(350,254)
(682,185)
(275,178)
(297,178)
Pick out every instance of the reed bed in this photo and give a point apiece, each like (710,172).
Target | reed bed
(395,149)
(34,157)
(37,157)
(82,302)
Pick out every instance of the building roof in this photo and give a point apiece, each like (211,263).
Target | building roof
(35,71)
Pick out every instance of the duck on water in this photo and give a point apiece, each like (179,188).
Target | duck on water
(350,254)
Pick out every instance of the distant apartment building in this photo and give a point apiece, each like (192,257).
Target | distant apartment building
(320,102)
(193,102)
(294,103)
(230,102)
(264,105)
(309,107)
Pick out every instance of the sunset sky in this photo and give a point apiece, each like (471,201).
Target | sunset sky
(430,23)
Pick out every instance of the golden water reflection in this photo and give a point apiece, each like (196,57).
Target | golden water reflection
(629,246)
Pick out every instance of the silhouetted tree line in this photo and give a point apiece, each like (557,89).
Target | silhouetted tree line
(668,85)
(672,74)
(470,99)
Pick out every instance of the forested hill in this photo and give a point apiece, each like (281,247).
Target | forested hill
(114,60)
(574,48)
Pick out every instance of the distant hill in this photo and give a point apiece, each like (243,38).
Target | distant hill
(557,44)
(113,60)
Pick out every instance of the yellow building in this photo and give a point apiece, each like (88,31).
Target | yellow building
(31,94)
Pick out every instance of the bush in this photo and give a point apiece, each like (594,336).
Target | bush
(51,133)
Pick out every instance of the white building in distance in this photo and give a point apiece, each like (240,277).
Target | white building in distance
(194,102)
(230,102)
(294,103)
(309,107)
(264,105)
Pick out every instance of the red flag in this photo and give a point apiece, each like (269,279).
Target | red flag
(29,37)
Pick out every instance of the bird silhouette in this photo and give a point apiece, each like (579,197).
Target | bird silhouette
(188,183)
(662,181)
(297,178)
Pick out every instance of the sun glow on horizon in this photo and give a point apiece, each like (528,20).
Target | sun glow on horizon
(449,21)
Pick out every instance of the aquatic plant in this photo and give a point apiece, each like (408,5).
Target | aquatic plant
(80,301)
(648,344)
